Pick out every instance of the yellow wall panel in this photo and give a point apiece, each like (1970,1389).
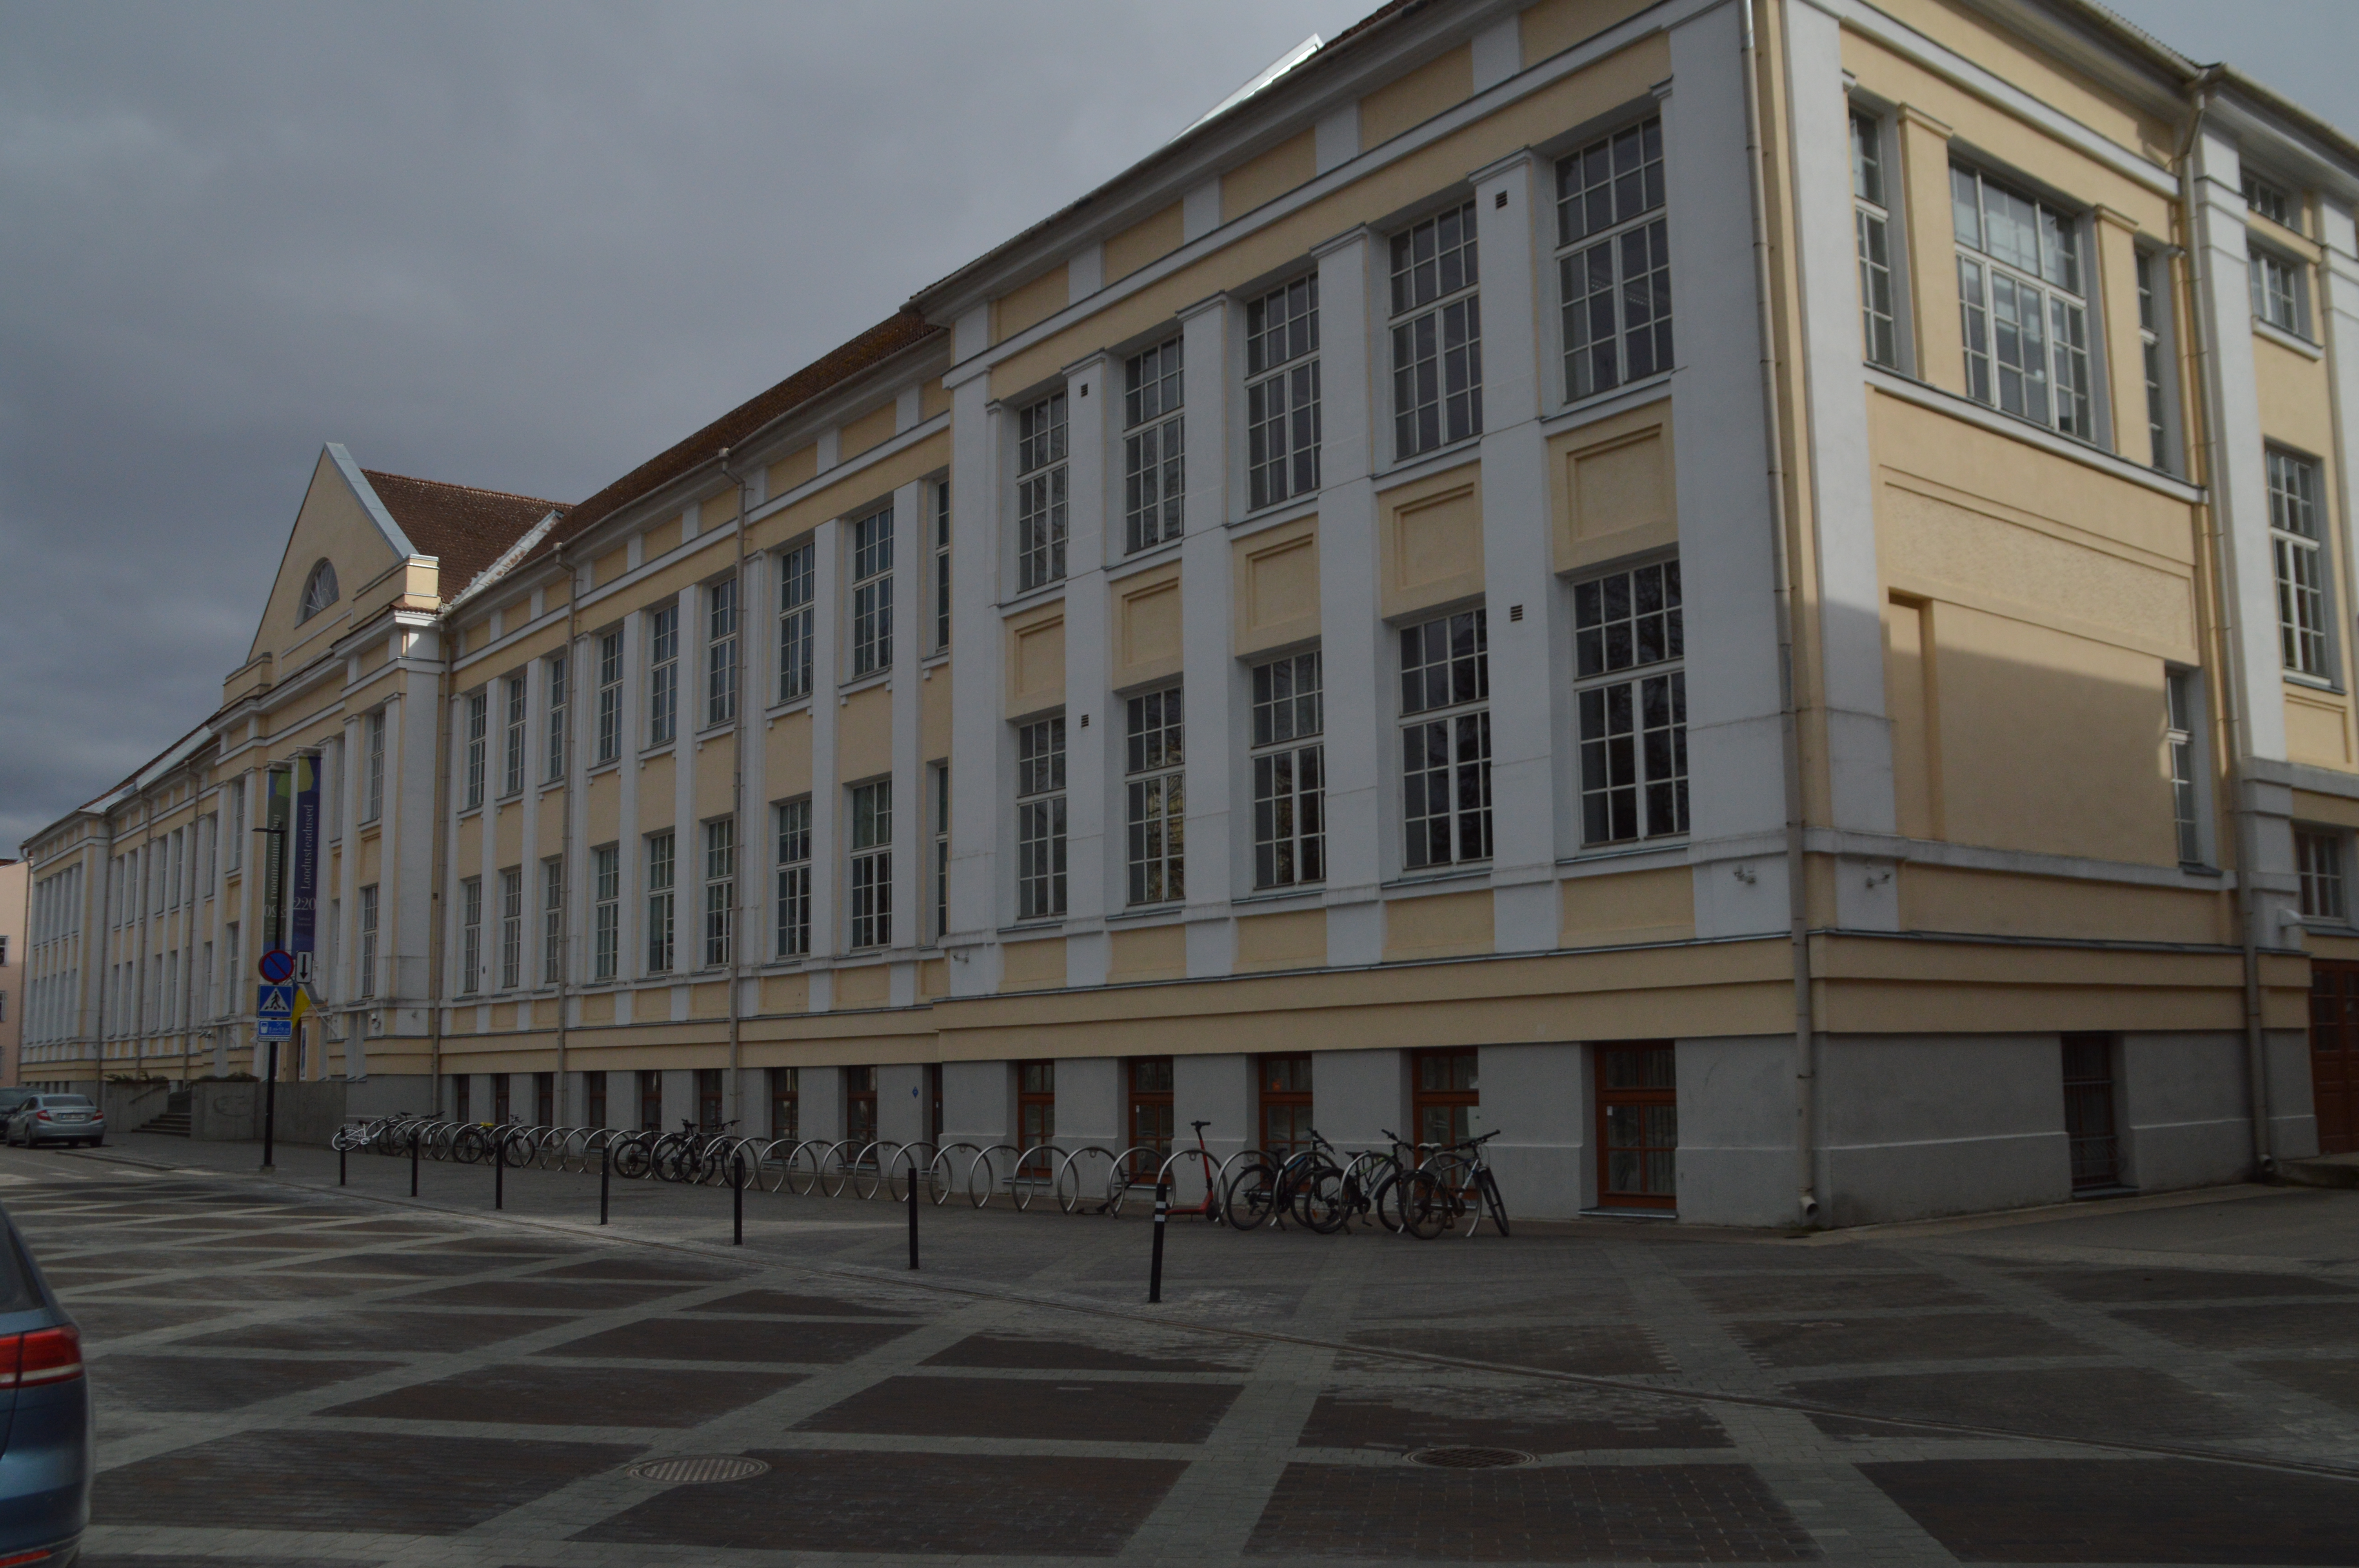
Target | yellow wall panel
(1036,660)
(1993,904)
(1153,953)
(864,735)
(609,566)
(1275,576)
(657,776)
(934,713)
(1433,541)
(1412,100)
(786,769)
(507,834)
(659,540)
(1295,939)
(873,428)
(786,993)
(1149,239)
(602,805)
(1553,27)
(1446,925)
(798,467)
(1032,966)
(1614,491)
(708,1001)
(1656,906)
(717,511)
(1028,303)
(870,985)
(1911,699)
(1269,175)
(2316,729)
(1146,627)
(716,760)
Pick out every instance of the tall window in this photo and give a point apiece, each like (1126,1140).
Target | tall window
(511,928)
(471,936)
(1154,467)
(2271,202)
(1282,391)
(610,696)
(941,773)
(1289,772)
(1614,261)
(2151,296)
(1633,726)
(720,652)
(1040,820)
(2317,857)
(872,593)
(661,905)
(605,911)
(2278,295)
(2298,543)
(372,789)
(478,718)
(794,878)
(1436,334)
(552,922)
(663,674)
(872,865)
(1040,492)
(1035,1102)
(1446,742)
(942,567)
(2024,317)
(367,975)
(558,736)
(319,591)
(720,889)
(1157,787)
(2179,696)
(237,824)
(512,748)
(794,580)
(1872,214)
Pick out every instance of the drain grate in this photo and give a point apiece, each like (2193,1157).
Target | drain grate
(694,1468)
(1469,1458)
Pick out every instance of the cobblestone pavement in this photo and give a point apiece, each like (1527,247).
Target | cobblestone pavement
(287,1374)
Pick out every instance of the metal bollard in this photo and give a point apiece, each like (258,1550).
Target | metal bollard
(341,1155)
(737,1196)
(414,1131)
(605,1166)
(500,1169)
(913,1212)
(1162,1213)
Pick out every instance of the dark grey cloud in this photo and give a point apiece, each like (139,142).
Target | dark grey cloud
(523,246)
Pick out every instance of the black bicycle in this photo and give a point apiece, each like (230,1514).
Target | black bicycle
(1456,1181)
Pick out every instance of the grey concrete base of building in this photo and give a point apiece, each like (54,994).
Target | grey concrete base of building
(1701,1131)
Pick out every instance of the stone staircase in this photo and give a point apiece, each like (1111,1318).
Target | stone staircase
(174,1122)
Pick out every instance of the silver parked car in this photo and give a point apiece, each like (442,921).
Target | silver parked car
(56,1118)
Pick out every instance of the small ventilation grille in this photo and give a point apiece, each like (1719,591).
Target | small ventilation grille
(695,1468)
(1469,1458)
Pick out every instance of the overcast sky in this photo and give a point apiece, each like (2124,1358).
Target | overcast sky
(523,246)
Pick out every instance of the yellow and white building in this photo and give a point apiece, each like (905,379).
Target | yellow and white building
(1757,594)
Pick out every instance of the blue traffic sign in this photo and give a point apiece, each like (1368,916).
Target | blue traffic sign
(273,1029)
(275,1001)
(277,965)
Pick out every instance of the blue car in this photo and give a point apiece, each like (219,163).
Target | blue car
(45,1433)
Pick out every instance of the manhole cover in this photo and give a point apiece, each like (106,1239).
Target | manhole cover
(691,1469)
(1469,1458)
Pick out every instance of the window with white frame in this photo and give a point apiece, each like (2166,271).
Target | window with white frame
(1614,261)
(554,763)
(2280,292)
(794,878)
(553,921)
(941,775)
(237,811)
(795,611)
(1629,639)
(1437,333)
(1155,789)
(871,864)
(513,738)
(1289,771)
(2180,739)
(373,785)
(872,593)
(2023,308)
(471,936)
(1040,820)
(1871,217)
(942,567)
(2298,544)
(720,652)
(1040,498)
(1282,393)
(2154,304)
(369,919)
(478,718)
(2318,858)
(1154,461)
(610,696)
(605,911)
(2268,200)
(663,674)
(661,902)
(720,889)
(1446,739)
(511,928)
(319,591)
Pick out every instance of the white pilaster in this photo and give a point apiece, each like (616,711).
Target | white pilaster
(829,933)
(980,748)
(1093,756)
(910,835)
(1208,676)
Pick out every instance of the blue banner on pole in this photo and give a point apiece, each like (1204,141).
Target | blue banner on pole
(303,903)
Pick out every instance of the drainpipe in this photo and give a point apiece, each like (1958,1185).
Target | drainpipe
(738,926)
(1788,727)
(2234,673)
(565,845)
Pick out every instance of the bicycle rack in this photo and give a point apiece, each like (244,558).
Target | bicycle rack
(939,1175)
(868,1170)
(907,1154)
(1071,1177)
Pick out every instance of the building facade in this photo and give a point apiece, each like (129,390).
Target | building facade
(16,882)
(1755,595)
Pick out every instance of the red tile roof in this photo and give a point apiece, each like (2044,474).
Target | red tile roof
(467,528)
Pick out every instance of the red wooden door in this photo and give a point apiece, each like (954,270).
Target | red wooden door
(1637,1126)
(2335,1053)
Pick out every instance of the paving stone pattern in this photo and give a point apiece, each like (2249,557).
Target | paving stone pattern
(289,1375)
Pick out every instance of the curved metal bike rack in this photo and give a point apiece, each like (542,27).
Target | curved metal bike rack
(1071,1177)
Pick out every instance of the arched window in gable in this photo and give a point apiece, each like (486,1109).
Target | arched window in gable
(319,590)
